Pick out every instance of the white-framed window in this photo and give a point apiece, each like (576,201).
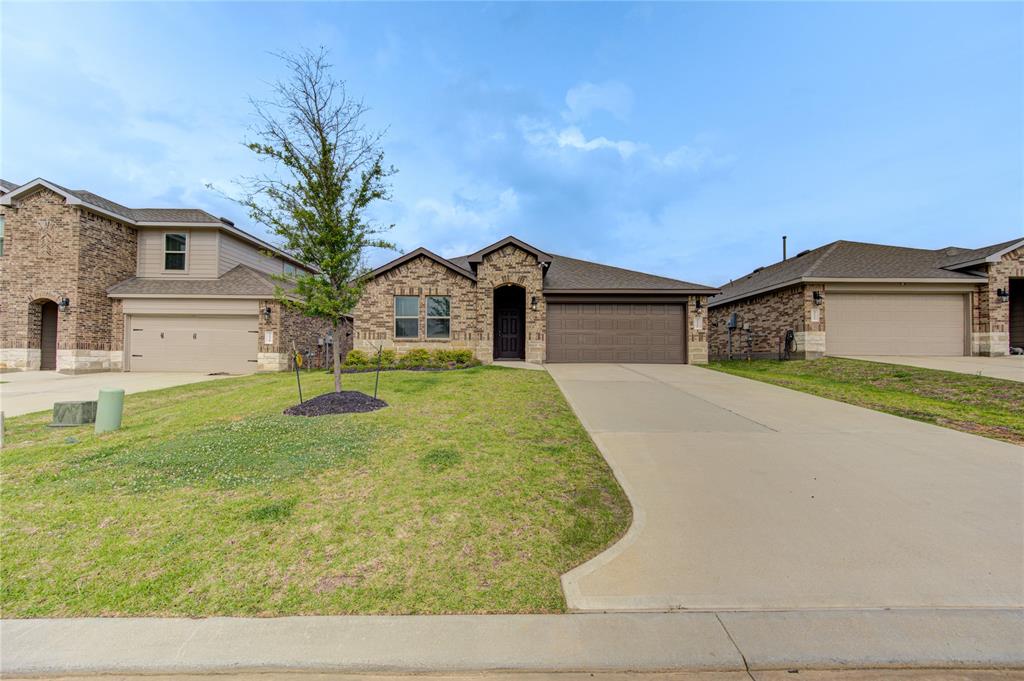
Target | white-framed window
(439,317)
(290,270)
(175,252)
(407,316)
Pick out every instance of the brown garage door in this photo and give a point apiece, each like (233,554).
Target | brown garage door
(616,332)
(894,324)
(196,343)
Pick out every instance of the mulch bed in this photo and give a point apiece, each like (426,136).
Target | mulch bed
(345,402)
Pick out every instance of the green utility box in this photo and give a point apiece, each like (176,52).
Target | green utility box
(108,413)
(73,413)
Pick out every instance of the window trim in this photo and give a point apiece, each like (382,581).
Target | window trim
(165,252)
(430,316)
(284,270)
(396,316)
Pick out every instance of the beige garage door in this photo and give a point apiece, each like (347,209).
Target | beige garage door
(615,332)
(183,343)
(894,324)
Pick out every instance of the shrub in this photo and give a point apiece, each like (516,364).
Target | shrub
(417,357)
(388,358)
(356,358)
(443,357)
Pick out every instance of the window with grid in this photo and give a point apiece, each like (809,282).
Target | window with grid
(174,251)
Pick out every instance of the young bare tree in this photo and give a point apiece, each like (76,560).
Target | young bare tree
(327,170)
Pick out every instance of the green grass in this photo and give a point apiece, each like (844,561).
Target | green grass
(473,492)
(975,404)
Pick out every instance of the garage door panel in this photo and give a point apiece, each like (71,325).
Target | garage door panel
(621,332)
(181,343)
(895,324)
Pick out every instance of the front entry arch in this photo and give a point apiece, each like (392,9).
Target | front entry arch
(47,335)
(510,322)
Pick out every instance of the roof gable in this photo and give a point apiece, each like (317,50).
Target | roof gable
(422,252)
(478,257)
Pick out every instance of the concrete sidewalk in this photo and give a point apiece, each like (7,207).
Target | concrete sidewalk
(723,641)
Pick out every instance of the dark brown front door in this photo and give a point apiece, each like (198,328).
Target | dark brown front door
(48,336)
(509,323)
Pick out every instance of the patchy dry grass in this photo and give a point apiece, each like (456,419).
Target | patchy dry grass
(473,492)
(974,404)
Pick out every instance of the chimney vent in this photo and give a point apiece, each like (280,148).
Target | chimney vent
(783,246)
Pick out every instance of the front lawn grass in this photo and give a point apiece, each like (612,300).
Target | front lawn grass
(974,404)
(472,492)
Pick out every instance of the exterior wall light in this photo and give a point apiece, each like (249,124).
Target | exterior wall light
(1003,295)
(266,313)
(533,303)
(818,298)
(63,304)
(698,306)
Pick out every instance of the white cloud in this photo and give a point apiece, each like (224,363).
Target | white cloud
(543,135)
(584,99)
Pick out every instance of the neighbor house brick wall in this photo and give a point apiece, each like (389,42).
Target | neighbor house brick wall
(290,327)
(990,319)
(472,304)
(770,315)
(53,248)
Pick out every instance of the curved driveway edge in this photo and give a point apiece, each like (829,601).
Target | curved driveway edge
(748,496)
(466,643)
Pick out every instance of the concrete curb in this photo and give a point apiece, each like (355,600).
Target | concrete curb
(726,641)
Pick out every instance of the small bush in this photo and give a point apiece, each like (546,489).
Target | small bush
(415,358)
(388,358)
(356,358)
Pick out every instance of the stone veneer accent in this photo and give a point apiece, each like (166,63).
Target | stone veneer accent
(291,326)
(697,328)
(50,248)
(472,304)
(770,315)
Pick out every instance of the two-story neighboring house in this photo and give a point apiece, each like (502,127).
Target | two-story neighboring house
(87,284)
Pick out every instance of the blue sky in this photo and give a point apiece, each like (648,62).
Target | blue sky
(681,139)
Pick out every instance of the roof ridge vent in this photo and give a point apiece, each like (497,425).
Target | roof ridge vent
(227,222)
(804,252)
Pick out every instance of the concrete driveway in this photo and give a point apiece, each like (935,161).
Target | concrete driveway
(1010,368)
(23,392)
(751,496)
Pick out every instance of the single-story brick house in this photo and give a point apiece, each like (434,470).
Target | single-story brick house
(850,298)
(87,284)
(512,301)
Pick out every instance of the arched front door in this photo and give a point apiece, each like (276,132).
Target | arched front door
(48,335)
(510,322)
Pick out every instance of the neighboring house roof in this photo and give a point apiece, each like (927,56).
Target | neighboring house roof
(6,186)
(146,217)
(845,260)
(956,258)
(240,280)
(562,274)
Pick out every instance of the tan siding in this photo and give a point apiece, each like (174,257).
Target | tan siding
(189,306)
(235,252)
(202,254)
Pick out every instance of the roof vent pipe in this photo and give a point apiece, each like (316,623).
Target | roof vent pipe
(783,246)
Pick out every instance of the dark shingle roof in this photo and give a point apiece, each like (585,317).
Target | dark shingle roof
(844,260)
(238,281)
(954,256)
(146,214)
(6,186)
(570,274)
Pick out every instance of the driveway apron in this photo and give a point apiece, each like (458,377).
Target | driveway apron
(752,496)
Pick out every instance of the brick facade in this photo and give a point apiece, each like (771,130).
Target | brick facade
(307,333)
(472,307)
(990,318)
(51,248)
(769,316)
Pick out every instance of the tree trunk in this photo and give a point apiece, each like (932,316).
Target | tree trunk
(336,356)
